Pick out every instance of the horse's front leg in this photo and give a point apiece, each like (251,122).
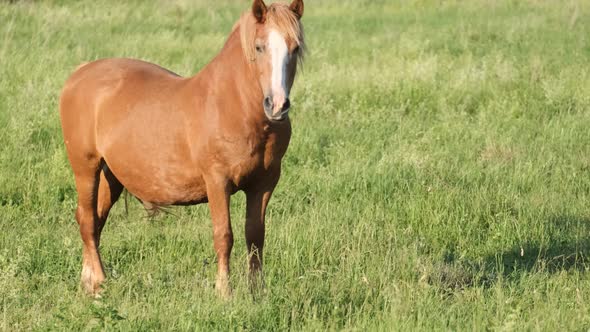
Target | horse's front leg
(256,202)
(218,194)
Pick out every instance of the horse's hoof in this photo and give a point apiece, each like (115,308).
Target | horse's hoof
(91,290)
(225,294)
(90,283)
(256,284)
(223,289)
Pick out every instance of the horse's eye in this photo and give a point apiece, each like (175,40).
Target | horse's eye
(296,49)
(259,49)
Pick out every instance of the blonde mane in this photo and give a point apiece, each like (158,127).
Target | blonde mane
(278,16)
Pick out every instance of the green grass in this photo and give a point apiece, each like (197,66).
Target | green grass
(438,176)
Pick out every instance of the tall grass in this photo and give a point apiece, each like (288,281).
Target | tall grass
(438,176)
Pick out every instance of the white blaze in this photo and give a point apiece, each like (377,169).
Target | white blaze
(280,57)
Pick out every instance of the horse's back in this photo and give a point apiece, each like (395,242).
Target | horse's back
(101,88)
(110,74)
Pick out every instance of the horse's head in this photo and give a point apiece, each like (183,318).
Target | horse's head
(273,41)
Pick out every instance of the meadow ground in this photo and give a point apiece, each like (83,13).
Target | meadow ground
(438,176)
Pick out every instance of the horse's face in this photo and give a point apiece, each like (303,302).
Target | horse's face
(276,60)
(277,64)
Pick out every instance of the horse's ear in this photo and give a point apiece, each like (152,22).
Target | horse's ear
(297,7)
(259,10)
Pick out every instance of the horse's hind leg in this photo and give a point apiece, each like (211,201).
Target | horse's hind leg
(109,191)
(97,190)
(87,182)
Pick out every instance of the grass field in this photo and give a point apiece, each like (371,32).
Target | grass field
(438,177)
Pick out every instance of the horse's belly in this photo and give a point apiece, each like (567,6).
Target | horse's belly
(148,152)
(160,183)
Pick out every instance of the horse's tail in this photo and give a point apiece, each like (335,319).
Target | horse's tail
(153,210)
(126,193)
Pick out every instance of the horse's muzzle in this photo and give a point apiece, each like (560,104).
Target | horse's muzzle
(269,107)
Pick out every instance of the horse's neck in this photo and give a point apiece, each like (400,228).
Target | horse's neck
(229,75)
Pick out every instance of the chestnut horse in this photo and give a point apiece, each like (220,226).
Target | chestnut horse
(168,140)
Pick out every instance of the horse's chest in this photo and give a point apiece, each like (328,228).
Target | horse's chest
(254,156)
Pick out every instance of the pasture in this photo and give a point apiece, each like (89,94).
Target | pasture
(438,176)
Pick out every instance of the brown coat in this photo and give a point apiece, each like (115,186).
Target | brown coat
(170,140)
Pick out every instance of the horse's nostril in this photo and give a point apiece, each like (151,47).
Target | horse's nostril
(287,104)
(268,102)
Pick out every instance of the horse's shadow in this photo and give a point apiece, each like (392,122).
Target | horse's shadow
(565,247)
